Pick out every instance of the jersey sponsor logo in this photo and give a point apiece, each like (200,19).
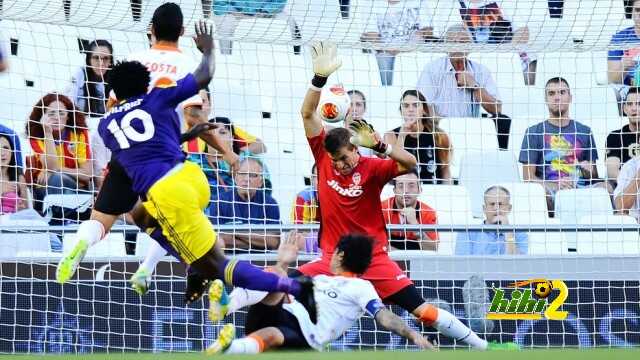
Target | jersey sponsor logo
(634,150)
(352,191)
(401,276)
(161,68)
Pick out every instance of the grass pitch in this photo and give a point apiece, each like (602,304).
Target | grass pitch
(556,354)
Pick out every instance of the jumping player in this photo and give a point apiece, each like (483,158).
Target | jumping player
(165,62)
(143,133)
(349,187)
(279,322)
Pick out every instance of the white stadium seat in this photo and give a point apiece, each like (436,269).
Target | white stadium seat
(111,246)
(608,242)
(469,135)
(479,170)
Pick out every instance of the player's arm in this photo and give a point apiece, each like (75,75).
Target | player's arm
(393,322)
(204,41)
(200,127)
(365,135)
(325,62)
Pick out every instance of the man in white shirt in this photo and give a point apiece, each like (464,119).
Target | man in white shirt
(280,321)
(458,86)
(626,194)
(397,25)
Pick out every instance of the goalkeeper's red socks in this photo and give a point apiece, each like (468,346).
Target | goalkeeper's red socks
(242,274)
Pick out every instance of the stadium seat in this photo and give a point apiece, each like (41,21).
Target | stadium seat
(571,205)
(528,203)
(479,170)
(80,202)
(548,243)
(610,242)
(24,244)
(111,246)
(469,135)
(451,203)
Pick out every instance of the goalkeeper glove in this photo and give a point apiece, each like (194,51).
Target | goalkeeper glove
(325,61)
(364,135)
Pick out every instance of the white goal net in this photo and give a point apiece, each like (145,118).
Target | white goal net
(559,204)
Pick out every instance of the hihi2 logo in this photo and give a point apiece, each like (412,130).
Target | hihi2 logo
(523,305)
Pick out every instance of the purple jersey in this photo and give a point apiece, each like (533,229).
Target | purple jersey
(143,133)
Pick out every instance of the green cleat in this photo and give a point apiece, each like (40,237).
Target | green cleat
(227,334)
(218,301)
(140,281)
(69,264)
(507,346)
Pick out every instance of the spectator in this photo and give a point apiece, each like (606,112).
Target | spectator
(458,86)
(559,153)
(89,90)
(497,206)
(399,24)
(248,203)
(13,189)
(622,65)
(305,211)
(421,136)
(357,110)
(625,196)
(405,208)
(59,138)
(488,24)
(622,144)
(14,141)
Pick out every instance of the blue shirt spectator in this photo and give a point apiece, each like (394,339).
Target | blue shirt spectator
(15,143)
(623,64)
(497,206)
(248,203)
(489,243)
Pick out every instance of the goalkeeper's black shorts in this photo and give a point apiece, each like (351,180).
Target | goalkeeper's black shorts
(116,196)
(261,316)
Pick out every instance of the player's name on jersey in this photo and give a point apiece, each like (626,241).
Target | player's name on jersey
(125,107)
(161,68)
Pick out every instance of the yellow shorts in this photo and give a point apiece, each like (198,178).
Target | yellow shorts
(177,202)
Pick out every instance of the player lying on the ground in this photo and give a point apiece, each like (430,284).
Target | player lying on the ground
(143,134)
(281,322)
(349,187)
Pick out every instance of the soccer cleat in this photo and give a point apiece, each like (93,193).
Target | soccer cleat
(507,346)
(140,281)
(196,287)
(225,338)
(307,297)
(69,264)
(218,301)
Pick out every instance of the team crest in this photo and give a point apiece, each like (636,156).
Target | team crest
(356,178)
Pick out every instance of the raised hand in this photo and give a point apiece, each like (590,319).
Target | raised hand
(204,37)
(325,58)
(364,134)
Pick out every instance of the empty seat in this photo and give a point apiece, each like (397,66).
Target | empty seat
(571,205)
(528,203)
(24,244)
(451,203)
(548,243)
(479,170)
(610,242)
(469,135)
(111,246)
(80,202)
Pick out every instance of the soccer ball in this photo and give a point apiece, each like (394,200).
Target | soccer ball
(334,104)
(543,289)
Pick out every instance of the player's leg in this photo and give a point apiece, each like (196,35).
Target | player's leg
(115,198)
(177,202)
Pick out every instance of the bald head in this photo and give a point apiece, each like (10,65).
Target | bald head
(460,35)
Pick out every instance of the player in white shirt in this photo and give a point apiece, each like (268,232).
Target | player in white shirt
(281,322)
(166,63)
